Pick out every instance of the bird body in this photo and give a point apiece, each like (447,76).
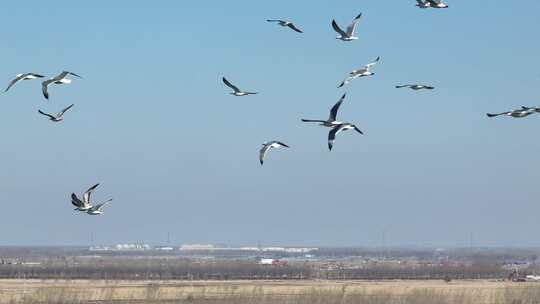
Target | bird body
(415,87)
(436,4)
(349,34)
(269,145)
(97,209)
(340,128)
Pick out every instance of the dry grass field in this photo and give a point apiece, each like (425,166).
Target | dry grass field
(269,292)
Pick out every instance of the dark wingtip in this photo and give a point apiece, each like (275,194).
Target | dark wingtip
(490,115)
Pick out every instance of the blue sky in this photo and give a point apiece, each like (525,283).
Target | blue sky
(155,126)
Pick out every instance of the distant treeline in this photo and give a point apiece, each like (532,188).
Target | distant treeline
(143,269)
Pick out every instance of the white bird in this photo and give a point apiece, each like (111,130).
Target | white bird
(236,90)
(58,117)
(96,210)
(415,87)
(267,146)
(436,4)
(59,79)
(25,76)
(422,4)
(349,34)
(362,72)
(84,204)
(339,128)
(518,113)
(331,121)
(285,24)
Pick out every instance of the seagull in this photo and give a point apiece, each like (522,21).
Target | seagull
(267,146)
(422,4)
(349,35)
(25,76)
(59,79)
(331,121)
(59,116)
(285,23)
(415,87)
(436,4)
(518,113)
(362,72)
(341,127)
(237,91)
(96,210)
(84,204)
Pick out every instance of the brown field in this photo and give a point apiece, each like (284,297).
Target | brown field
(268,292)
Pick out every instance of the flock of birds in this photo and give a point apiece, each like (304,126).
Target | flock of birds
(85,205)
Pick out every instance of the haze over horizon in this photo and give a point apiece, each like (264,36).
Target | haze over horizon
(153,124)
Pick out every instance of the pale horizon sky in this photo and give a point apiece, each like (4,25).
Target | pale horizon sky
(153,123)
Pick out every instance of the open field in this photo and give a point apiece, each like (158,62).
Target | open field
(238,292)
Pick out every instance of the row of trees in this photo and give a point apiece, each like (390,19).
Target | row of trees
(143,269)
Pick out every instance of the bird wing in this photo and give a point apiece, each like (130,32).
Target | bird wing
(352,27)
(46,114)
(71,73)
(88,193)
(273,20)
(99,206)
(282,144)
(230,85)
(64,111)
(76,201)
(371,64)
(263,152)
(292,26)
(36,75)
(358,130)
(60,76)
(403,86)
(14,81)
(420,2)
(338,29)
(332,135)
(335,108)
(45,87)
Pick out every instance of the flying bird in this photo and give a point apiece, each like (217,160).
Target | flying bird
(58,117)
(436,4)
(331,121)
(518,113)
(285,24)
(415,87)
(339,128)
(59,79)
(349,34)
(84,204)
(25,76)
(422,4)
(267,146)
(236,90)
(362,72)
(96,210)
